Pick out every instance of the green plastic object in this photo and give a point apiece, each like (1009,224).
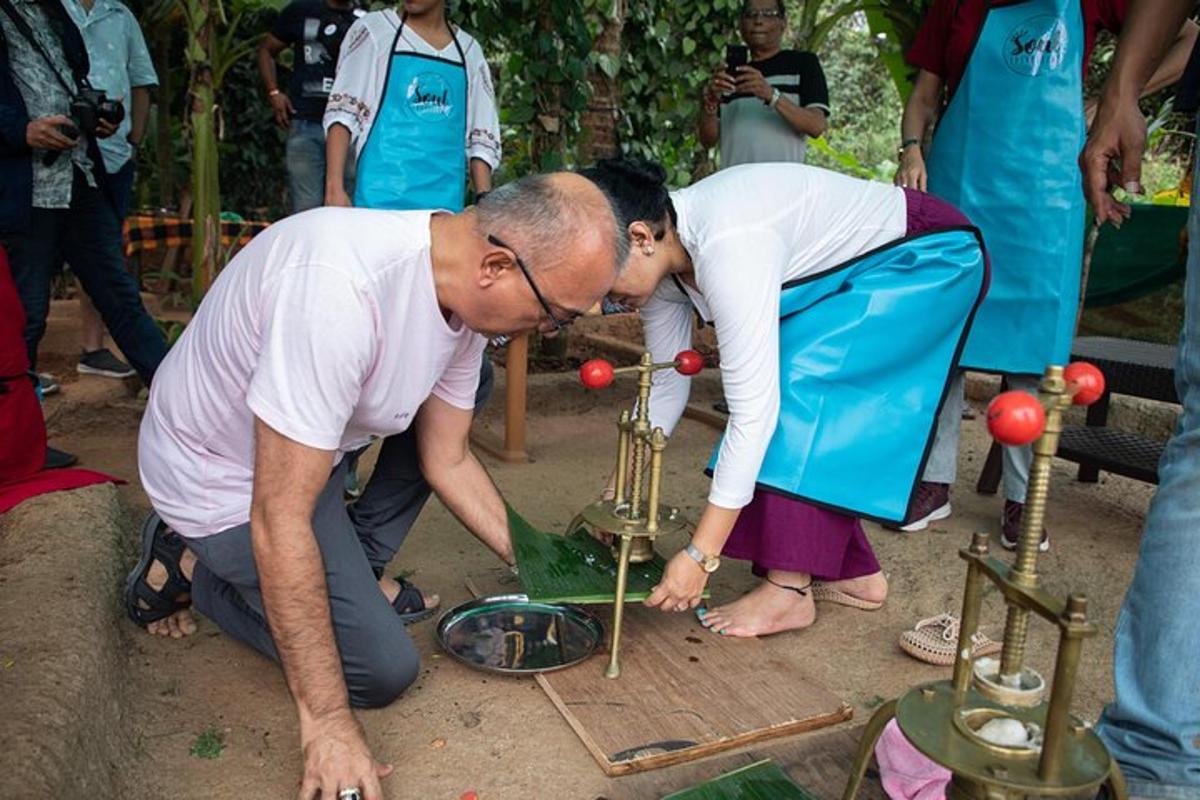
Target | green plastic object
(763,780)
(1143,256)
(574,569)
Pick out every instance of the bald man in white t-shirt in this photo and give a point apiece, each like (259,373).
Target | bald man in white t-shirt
(332,328)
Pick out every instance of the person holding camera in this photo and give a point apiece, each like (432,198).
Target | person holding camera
(314,29)
(56,200)
(766,109)
(121,66)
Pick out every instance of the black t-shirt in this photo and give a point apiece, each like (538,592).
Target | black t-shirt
(797,74)
(315,32)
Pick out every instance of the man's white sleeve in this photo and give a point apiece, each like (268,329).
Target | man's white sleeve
(357,84)
(483,119)
(307,382)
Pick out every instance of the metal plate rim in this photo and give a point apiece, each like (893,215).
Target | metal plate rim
(458,612)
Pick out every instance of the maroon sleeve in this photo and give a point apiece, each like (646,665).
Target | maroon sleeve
(928,50)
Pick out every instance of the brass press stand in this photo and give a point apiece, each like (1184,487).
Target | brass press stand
(633,516)
(1053,754)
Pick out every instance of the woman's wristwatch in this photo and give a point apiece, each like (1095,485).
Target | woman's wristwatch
(907,143)
(707,563)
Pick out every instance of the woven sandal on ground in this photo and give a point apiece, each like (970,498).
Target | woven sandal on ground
(935,640)
(824,593)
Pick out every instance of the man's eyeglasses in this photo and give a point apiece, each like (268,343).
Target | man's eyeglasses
(758,13)
(559,324)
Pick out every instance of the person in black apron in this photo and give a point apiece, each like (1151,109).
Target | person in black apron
(1009,165)
(1152,729)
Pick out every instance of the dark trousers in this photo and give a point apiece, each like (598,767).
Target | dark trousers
(379,660)
(88,237)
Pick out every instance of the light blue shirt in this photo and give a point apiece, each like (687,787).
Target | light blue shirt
(119,60)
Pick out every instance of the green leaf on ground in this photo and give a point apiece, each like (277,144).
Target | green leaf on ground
(208,743)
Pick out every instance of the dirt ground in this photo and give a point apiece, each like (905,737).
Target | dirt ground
(457,729)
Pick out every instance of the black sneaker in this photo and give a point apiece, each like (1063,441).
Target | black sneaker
(57,459)
(931,504)
(103,362)
(1010,527)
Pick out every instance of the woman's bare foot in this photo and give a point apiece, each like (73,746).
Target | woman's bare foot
(391,589)
(181,623)
(765,610)
(869,588)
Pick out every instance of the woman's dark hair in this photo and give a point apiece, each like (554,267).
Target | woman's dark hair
(637,190)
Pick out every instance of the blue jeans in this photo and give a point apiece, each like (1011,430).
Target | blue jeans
(88,237)
(1153,726)
(306,165)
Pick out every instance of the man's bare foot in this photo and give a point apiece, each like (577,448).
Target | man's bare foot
(869,588)
(181,623)
(391,589)
(765,610)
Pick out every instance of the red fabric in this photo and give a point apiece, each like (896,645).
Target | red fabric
(948,34)
(49,480)
(22,428)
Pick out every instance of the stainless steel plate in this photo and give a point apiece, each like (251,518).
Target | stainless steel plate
(509,634)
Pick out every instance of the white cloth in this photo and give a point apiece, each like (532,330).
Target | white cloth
(327,327)
(750,229)
(362,71)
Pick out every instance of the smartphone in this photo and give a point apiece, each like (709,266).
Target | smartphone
(736,55)
(69,130)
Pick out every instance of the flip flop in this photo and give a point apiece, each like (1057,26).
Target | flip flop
(823,593)
(410,603)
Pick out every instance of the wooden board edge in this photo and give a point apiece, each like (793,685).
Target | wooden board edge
(699,413)
(731,743)
(571,720)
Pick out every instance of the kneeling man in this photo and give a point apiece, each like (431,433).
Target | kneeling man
(333,328)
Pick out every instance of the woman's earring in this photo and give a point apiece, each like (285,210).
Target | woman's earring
(648,251)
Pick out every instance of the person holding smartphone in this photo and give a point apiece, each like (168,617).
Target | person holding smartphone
(763,102)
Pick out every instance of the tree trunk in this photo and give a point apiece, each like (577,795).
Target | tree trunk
(546,149)
(599,121)
(206,193)
(164,150)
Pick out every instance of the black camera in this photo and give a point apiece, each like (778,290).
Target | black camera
(91,106)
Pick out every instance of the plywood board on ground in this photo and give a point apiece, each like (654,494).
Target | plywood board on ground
(818,762)
(684,693)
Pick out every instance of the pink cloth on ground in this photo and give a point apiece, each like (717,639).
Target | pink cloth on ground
(905,773)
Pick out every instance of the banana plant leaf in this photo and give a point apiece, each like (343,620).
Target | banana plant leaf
(576,568)
(764,780)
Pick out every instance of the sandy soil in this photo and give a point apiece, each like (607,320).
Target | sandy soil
(457,729)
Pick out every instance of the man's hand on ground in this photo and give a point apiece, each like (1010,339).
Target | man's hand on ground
(44,133)
(336,757)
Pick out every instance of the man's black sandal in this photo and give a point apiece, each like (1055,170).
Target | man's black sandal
(410,603)
(143,604)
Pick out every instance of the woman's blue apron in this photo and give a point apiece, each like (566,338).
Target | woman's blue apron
(866,351)
(415,155)
(1005,154)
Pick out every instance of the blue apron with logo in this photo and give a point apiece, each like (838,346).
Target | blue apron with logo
(1005,154)
(415,155)
(866,353)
